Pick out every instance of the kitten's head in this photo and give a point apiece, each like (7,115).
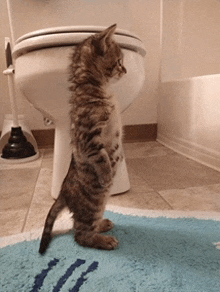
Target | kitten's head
(103,56)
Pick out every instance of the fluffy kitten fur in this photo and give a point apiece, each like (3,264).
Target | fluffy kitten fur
(96,137)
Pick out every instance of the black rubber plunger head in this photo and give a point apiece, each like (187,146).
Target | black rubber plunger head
(17,146)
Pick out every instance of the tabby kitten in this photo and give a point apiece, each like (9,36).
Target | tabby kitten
(96,138)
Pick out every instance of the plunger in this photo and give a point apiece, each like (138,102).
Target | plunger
(17,147)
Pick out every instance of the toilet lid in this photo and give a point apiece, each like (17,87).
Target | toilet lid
(70,36)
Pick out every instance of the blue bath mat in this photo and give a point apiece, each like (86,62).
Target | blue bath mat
(154,254)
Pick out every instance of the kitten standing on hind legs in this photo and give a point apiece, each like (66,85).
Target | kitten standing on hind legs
(96,135)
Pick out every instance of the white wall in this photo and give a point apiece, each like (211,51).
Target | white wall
(191,38)
(140,16)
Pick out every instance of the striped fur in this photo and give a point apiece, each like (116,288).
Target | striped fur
(96,134)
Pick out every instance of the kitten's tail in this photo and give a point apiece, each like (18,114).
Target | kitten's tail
(51,217)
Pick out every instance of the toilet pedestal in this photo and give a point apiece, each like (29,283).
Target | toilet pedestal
(62,157)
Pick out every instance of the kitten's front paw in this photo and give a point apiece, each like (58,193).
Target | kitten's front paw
(105,180)
(105,225)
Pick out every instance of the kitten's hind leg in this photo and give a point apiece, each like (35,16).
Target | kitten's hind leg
(95,240)
(89,235)
(51,217)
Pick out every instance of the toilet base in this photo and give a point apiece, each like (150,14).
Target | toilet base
(62,158)
(121,181)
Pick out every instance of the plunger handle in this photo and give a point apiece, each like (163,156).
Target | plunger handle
(11,86)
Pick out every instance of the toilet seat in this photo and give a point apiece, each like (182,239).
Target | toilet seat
(70,36)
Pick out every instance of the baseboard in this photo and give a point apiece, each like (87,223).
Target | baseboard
(132,133)
(140,133)
(44,138)
(203,155)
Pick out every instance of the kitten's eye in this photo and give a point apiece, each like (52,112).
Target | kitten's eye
(118,63)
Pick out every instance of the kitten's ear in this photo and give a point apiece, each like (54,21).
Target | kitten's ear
(103,39)
(107,33)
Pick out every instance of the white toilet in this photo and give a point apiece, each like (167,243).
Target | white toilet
(41,60)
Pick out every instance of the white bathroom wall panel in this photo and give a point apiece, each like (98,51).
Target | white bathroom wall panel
(141,17)
(189,99)
(188,118)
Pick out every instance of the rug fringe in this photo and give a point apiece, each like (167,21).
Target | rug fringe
(164,213)
(64,223)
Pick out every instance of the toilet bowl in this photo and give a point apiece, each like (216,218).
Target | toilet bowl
(41,61)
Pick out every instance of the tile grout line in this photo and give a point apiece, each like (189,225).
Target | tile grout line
(164,200)
(155,190)
(28,209)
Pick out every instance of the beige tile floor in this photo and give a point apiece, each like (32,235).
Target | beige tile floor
(160,180)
